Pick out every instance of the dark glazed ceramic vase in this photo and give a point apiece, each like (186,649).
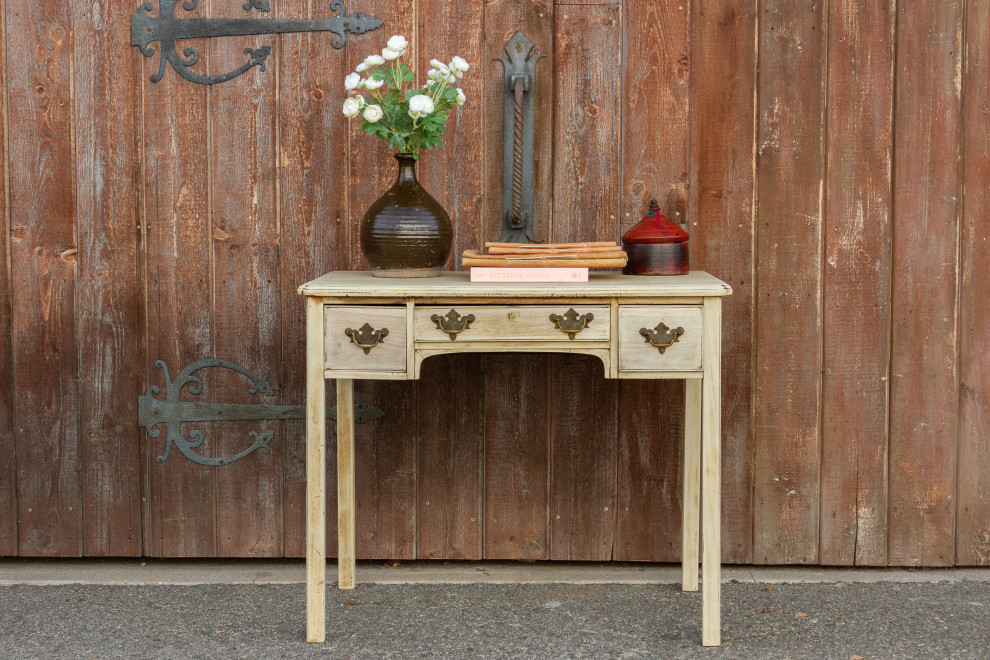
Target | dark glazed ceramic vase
(406,233)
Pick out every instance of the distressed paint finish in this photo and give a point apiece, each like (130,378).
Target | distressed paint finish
(790,188)
(721,222)
(856,276)
(43,256)
(973,487)
(924,352)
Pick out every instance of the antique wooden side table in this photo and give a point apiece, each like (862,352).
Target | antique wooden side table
(362,327)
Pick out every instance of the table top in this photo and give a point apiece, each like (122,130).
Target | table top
(361,284)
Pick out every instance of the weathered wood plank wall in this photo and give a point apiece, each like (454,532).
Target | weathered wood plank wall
(830,160)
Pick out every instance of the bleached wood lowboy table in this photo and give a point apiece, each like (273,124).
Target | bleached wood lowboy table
(362,327)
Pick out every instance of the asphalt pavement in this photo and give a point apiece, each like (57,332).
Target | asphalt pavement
(762,617)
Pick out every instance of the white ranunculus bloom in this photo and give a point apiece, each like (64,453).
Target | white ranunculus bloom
(460,97)
(351,81)
(451,78)
(437,64)
(373,113)
(458,74)
(398,42)
(360,100)
(420,106)
(390,53)
(459,64)
(374,60)
(351,108)
(371,83)
(363,66)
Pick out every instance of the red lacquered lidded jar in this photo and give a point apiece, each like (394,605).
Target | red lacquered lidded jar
(656,246)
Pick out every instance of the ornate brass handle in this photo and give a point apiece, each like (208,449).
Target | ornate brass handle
(367,338)
(452,323)
(571,322)
(662,337)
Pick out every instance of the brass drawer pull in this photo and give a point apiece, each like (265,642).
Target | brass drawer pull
(367,338)
(452,323)
(571,322)
(662,337)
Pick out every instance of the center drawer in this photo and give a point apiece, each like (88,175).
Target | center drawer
(561,322)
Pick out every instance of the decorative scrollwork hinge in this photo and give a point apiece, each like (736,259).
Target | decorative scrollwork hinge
(173,412)
(662,337)
(367,337)
(571,322)
(452,323)
(166,29)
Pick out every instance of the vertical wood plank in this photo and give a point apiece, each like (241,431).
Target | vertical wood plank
(312,162)
(587,44)
(515,461)
(179,297)
(923,391)
(385,456)
(43,255)
(451,406)
(583,431)
(721,223)
(516,457)
(973,505)
(385,450)
(246,286)
(8,504)
(790,170)
(654,125)
(856,349)
(106,151)
(450,388)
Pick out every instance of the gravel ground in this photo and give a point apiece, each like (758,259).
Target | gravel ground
(840,620)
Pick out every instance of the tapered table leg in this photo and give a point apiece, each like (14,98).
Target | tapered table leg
(316,514)
(690,519)
(345,484)
(711,425)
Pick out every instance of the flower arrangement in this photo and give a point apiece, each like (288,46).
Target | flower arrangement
(410,119)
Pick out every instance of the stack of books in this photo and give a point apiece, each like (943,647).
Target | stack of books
(542,262)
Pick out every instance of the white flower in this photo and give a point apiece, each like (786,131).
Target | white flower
(374,60)
(451,79)
(460,97)
(390,53)
(398,42)
(351,108)
(371,83)
(373,113)
(351,81)
(360,100)
(459,64)
(458,74)
(363,66)
(432,74)
(420,105)
(437,64)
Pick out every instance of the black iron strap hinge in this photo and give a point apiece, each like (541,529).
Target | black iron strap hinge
(166,29)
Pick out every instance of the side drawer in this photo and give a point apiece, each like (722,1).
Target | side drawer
(365,338)
(639,325)
(513,323)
